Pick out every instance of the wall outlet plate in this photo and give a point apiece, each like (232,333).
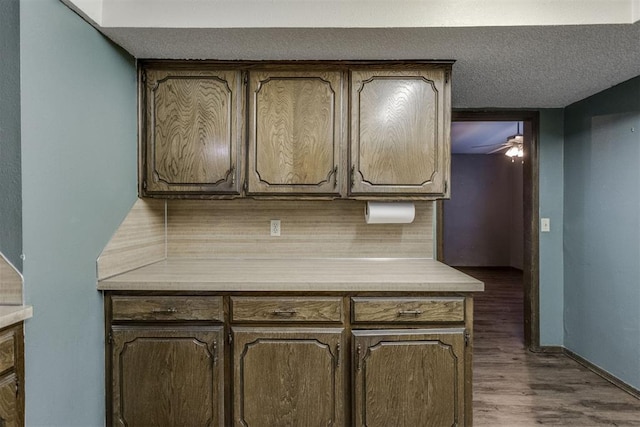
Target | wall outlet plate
(275,227)
(545,225)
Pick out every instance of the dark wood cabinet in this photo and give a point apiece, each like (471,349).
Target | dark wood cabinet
(12,376)
(288,377)
(192,130)
(167,376)
(295,132)
(400,125)
(9,413)
(275,358)
(409,378)
(361,130)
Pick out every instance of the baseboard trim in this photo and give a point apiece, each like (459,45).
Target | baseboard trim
(602,373)
(557,349)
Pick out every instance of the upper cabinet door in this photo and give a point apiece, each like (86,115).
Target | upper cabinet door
(400,131)
(295,133)
(192,132)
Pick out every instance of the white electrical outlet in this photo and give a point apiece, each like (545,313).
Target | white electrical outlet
(545,225)
(275,227)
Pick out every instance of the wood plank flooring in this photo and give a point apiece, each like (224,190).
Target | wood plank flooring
(514,387)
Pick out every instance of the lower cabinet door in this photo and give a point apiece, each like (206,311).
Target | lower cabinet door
(9,413)
(408,377)
(167,376)
(288,377)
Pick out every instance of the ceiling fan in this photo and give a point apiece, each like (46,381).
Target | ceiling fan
(513,145)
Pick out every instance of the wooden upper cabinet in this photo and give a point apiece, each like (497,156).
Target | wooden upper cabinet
(295,132)
(400,131)
(324,130)
(192,131)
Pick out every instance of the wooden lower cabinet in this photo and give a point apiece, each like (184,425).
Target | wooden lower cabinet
(9,414)
(409,377)
(288,360)
(288,377)
(167,376)
(12,376)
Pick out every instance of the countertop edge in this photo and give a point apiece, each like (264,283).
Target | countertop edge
(291,287)
(294,275)
(12,314)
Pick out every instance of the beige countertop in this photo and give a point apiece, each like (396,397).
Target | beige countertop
(287,275)
(11,314)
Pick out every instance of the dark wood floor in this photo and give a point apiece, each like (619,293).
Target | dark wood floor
(514,387)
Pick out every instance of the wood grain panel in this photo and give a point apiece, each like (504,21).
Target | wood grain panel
(295,136)
(165,308)
(336,229)
(286,309)
(193,130)
(304,382)
(407,378)
(7,350)
(407,310)
(399,131)
(164,377)
(10,283)
(9,408)
(140,240)
(12,379)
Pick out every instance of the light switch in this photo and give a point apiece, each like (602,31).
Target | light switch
(545,225)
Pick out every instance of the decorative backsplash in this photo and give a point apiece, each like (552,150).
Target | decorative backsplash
(156,229)
(309,229)
(10,283)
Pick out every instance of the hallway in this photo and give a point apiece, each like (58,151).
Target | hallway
(514,387)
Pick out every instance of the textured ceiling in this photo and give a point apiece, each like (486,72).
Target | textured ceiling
(496,67)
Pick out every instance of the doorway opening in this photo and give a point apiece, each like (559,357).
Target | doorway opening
(521,251)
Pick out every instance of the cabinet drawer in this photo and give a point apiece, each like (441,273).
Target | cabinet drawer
(167,308)
(407,310)
(7,350)
(292,309)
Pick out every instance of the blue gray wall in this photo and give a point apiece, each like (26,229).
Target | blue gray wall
(10,185)
(78,182)
(551,188)
(602,230)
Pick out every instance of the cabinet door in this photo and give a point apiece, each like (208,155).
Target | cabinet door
(409,378)
(295,133)
(9,411)
(400,131)
(288,377)
(167,377)
(192,131)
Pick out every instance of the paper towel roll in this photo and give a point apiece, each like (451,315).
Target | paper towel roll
(389,213)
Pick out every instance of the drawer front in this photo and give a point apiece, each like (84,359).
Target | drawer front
(289,309)
(407,310)
(165,308)
(7,350)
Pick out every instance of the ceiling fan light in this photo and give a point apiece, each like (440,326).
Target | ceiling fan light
(512,152)
(520,151)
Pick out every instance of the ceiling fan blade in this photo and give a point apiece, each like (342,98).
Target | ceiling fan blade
(498,149)
(486,145)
